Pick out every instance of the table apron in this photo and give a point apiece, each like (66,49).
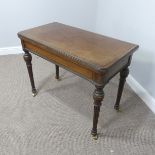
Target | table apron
(61,61)
(97,78)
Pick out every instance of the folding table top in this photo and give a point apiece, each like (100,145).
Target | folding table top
(84,46)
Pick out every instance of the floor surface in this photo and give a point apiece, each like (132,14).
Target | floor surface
(59,119)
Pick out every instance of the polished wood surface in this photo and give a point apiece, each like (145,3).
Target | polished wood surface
(123,75)
(28,58)
(94,57)
(57,72)
(98,97)
(92,49)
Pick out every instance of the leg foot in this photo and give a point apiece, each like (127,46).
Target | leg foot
(123,75)
(34,93)
(28,58)
(57,72)
(98,97)
(95,137)
(116,107)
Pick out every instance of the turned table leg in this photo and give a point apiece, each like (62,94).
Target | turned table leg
(28,58)
(57,72)
(123,75)
(98,97)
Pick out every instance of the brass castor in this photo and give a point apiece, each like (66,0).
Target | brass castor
(117,108)
(34,93)
(95,137)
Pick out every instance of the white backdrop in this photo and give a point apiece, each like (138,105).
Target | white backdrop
(134,21)
(16,15)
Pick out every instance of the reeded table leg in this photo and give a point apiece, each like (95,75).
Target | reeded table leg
(28,58)
(57,72)
(98,97)
(123,75)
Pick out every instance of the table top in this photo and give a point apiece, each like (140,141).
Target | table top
(81,45)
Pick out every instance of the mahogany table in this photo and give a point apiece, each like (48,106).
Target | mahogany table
(94,57)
